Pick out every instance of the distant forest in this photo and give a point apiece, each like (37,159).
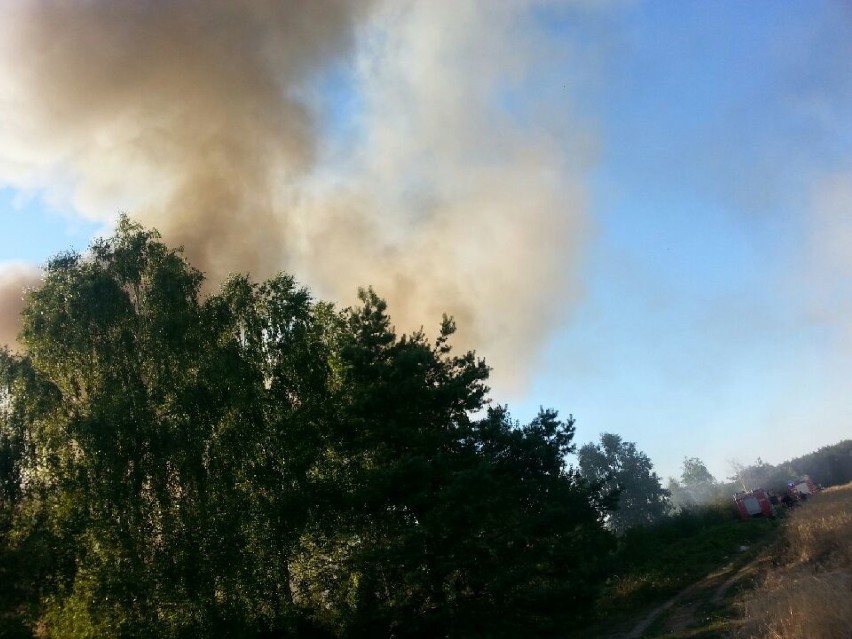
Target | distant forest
(828,466)
(258,463)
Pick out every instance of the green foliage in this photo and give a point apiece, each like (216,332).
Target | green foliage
(630,493)
(259,462)
(695,473)
(697,486)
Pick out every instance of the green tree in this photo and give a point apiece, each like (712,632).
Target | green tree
(13,420)
(259,462)
(698,485)
(450,526)
(116,459)
(630,491)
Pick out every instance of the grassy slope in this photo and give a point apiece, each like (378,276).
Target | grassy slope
(654,563)
(808,594)
(799,587)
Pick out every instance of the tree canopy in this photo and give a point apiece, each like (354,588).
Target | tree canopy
(696,487)
(629,491)
(259,462)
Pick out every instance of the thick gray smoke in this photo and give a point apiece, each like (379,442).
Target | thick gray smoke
(184,113)
(14,279)
(457,193)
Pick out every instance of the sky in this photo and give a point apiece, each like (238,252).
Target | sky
(639,213)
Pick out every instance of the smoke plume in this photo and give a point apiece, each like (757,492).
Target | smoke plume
(442,184)
(14,279)
(827,268)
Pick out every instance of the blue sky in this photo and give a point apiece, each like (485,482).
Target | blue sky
(705,307)
(36,230)
(693,338)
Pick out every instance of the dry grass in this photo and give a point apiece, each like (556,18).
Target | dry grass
(822,528)
(809,594)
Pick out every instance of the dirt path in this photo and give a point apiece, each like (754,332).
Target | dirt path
(681,607)
(682,611)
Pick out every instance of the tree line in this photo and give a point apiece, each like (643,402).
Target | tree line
(827,466)
(260,463)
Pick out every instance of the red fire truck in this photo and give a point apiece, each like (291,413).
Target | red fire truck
(803,488)
(754,503)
